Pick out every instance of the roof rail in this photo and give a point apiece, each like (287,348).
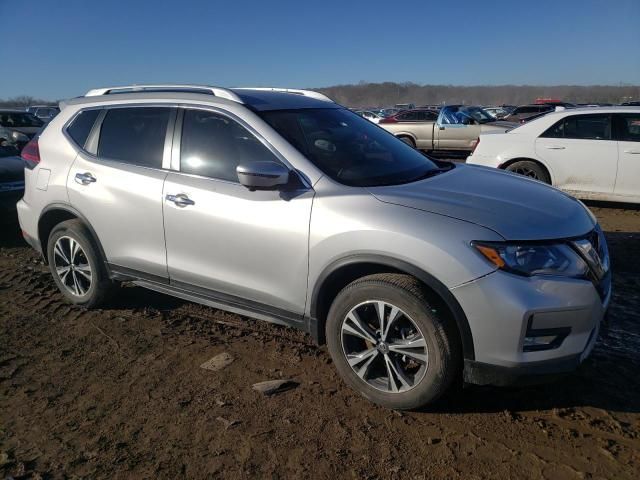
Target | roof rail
(216,91)
(306,93)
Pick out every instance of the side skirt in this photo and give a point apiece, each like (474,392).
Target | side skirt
(211,298)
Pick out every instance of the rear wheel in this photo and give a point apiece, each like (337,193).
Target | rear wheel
(76,265)
(409,141)
(530,169)
(390,344)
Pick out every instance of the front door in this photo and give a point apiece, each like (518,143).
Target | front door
(235,244)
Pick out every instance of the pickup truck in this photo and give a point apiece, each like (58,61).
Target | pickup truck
(456,128)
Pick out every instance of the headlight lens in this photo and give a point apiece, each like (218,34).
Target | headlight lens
(529,260)
(17,136)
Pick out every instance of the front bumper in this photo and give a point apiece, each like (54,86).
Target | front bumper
(503,309)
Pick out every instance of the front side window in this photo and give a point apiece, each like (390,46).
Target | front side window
(134,135)
(81,126)
(581,127)
(348,148)
(628,127)
(213,146)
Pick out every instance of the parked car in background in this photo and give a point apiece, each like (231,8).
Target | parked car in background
(290,208)
(387,112)
(11,179)
(369,115)
(404,106)
(524,113)
(44,112)
(455,128)
(17,127)
(591,153)
(496,112)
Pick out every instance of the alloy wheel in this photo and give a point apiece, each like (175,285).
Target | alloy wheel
(72,266)
(384,346)
(527,172)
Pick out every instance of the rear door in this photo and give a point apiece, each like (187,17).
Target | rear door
(581,154)
(116,183)
(248,248)
(627,129)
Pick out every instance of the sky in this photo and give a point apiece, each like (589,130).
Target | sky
(55,49)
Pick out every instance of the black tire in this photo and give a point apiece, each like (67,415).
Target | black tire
(99,288)
(409,141)
(530,169)
(437,329)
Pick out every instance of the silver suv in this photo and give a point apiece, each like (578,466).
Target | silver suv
(284,206)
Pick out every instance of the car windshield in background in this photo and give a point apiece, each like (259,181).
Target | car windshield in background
(348,148)
(19,119)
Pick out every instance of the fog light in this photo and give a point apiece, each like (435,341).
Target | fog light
(539,339)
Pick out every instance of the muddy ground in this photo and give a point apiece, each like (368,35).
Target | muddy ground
(119,393)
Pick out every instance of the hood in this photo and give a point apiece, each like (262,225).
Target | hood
(515,207)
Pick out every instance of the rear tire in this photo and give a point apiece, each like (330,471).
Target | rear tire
(409,141)
(531,169)
(417,360)
(77,266)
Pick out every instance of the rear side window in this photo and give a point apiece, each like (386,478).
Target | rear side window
(582,127)
(628,127)
(134,135)
(81,126)
(214,145)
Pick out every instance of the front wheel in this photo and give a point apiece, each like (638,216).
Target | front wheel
(390,343)
(530,169)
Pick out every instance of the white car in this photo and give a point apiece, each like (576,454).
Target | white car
(371,116)
(591,153)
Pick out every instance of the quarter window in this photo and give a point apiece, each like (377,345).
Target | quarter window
(81,126)
(213,146)
(582,127)
(134,135)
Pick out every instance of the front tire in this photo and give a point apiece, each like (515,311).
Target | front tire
(409,141)
(390,344)
(77,266)
(530,169)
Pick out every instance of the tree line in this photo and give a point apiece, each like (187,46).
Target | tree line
(390,93)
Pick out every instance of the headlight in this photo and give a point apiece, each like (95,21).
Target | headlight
(558,259)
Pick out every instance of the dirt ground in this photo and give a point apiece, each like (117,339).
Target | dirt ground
(119,393)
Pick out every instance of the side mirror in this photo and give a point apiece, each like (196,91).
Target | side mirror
(262,175)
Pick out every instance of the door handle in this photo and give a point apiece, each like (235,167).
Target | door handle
(632,152)
(85,178)
(181,200)
(555,147)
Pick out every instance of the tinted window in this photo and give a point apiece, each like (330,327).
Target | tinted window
(409,117)
(348,148)
(628,127)
(81,126)
(214,145)
(586,127)
(134,135)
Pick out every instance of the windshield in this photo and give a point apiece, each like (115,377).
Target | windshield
(19,119)
(348,148)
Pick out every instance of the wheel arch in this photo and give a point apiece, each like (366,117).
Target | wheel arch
(503,166)
(56,213)
(341,272)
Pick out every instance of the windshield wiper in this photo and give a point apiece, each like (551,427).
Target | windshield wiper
(431,173)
